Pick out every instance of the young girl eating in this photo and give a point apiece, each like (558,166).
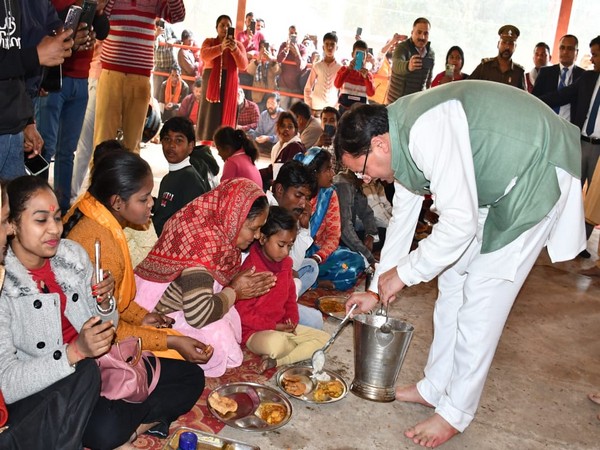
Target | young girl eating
(270,322)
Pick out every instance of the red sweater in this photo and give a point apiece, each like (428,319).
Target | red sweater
(277,305)
(353,84)
(78,65)
(129,47)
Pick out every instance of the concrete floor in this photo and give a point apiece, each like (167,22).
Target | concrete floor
(535,396)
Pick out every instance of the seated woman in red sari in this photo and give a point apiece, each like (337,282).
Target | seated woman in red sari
(193,272)
(222,57)
(339,267)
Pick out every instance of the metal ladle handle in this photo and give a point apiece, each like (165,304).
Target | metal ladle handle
(338,329)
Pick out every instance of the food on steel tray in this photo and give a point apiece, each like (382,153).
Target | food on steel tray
(223,405)
(272,413)
(292,384)
(328,389)
(331,306)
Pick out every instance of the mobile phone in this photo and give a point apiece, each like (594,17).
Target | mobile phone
(266,46)
(294,38)
(359,31)
(88,12)
(230,32)
(427,63)
(370,50)
(359,59)
(329,130)
(52,78)
(253,26)
(35,165)
(72,18)
(449,70)
(97,269)
(160,23)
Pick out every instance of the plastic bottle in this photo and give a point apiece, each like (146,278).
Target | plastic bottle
(187,441)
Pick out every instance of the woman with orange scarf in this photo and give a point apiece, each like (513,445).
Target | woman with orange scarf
(120,194)
(192,272)
(222,57)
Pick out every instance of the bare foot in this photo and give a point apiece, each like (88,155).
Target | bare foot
(266,364)
(595,397)
(411,394)
(431,432)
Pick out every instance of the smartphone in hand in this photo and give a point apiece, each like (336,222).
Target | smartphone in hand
(97,269)
(359,31)
(359,59)
(35,165)
(230,32)
(72,18)
(329,130)
(427,63)
(88,12)
(253,26)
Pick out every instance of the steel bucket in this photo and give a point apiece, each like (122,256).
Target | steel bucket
(378,356)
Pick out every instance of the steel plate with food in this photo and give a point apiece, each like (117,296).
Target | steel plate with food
(299,382)
(332,305)
(206,441)
(250,406)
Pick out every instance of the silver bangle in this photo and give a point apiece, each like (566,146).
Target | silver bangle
(111,305)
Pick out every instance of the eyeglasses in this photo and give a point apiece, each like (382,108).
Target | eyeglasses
(361,175)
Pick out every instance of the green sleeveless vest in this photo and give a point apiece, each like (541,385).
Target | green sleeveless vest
(513,135)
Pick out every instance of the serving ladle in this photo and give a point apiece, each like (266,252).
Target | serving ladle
(386,328)
(318,357)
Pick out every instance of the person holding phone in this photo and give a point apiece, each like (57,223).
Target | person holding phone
(354,81)
(28,49)
(60,114)
(412,63)
(296,58)
(223,56)
(455,60)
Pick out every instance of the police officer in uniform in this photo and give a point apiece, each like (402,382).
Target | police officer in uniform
(502,69)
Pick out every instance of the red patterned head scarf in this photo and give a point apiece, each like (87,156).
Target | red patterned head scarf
(204,232)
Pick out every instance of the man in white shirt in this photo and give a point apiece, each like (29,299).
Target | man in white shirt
(461,142)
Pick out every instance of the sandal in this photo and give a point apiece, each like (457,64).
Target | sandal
(595,397)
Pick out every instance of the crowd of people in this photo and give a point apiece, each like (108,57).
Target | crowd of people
(359,149)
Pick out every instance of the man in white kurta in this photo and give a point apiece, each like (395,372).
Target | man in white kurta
(505,180)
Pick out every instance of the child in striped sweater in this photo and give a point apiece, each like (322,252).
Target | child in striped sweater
(354,81)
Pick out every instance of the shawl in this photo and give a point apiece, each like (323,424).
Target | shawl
(203,233)
(171,97)
(223,62)
(321,207)
(92,208)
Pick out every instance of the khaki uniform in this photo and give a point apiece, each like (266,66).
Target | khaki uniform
(489,69)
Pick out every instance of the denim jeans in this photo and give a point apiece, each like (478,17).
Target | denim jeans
(11,156)
(308,272)
(59,120)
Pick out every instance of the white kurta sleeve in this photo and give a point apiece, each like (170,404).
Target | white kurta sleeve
(440,146)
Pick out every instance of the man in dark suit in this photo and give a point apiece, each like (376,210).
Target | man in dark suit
(560,75)
(582,95)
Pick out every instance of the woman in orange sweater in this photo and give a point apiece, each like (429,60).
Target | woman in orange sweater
(120,194)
